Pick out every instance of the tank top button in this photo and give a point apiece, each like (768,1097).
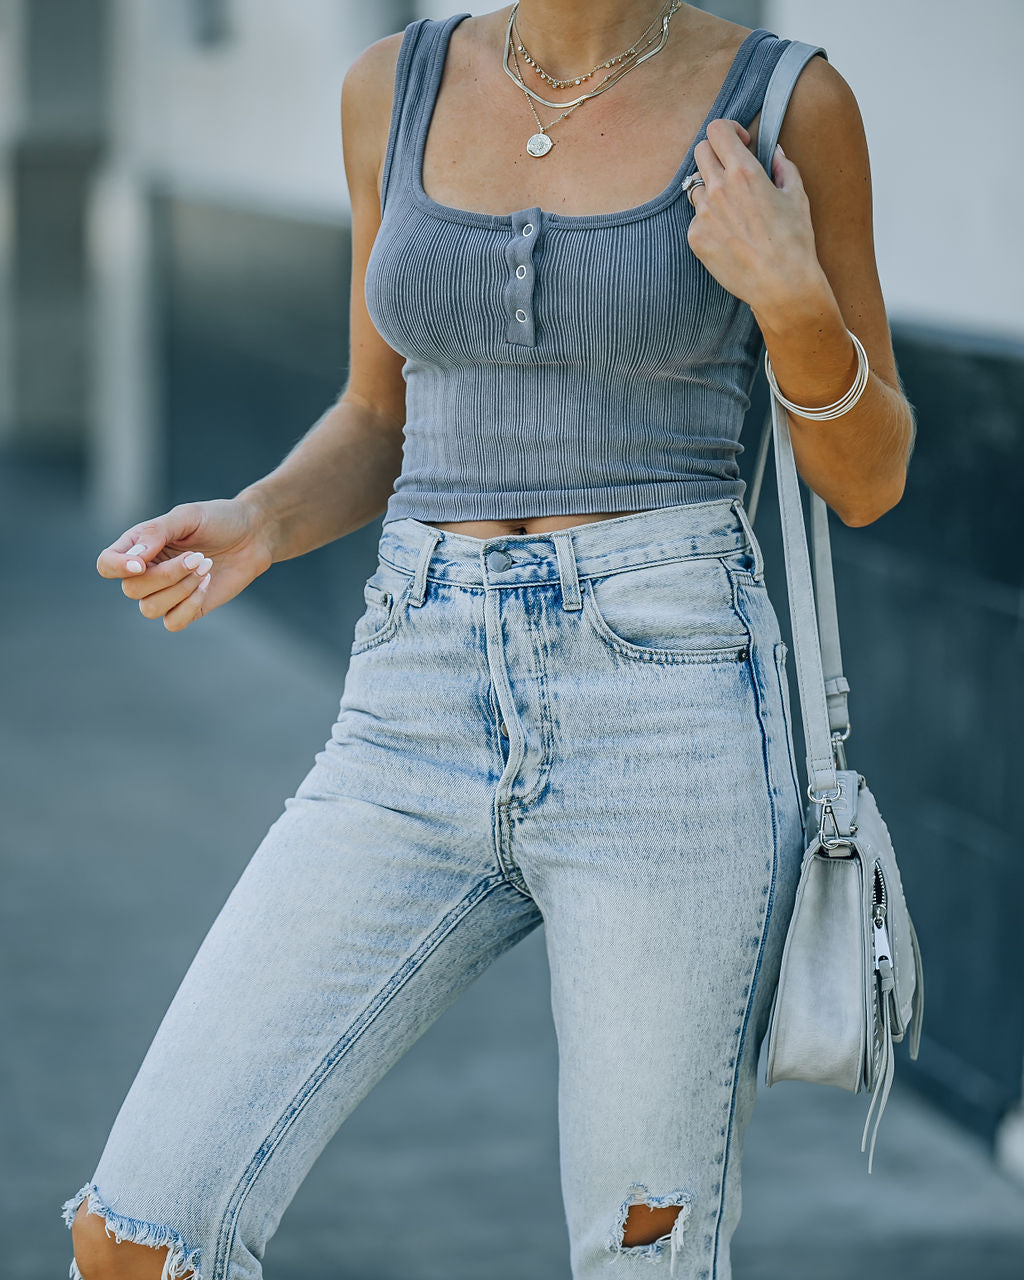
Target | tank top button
(528,229)
(521,270)
(521,316)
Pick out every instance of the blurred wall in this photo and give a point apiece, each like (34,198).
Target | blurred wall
(53,115)
(244,112)
(10,125)
(938,89)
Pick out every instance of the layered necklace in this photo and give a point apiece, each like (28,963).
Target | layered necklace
(539,144)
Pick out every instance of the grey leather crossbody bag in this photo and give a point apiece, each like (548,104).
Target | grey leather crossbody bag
(851,981)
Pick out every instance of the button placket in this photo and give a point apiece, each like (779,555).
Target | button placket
(497,561)
(519,286)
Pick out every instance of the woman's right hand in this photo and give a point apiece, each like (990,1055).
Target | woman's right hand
(181,565)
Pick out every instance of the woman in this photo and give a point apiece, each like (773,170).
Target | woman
(566,699)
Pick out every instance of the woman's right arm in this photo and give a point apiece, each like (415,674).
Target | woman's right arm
(339,476)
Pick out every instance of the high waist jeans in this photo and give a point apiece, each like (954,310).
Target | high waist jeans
(589,729)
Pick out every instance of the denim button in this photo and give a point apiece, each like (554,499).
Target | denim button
(521,316)
(498,560)
(521,271)
(528,228)
(503,729)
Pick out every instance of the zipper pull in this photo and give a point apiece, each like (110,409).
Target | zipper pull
(883,954)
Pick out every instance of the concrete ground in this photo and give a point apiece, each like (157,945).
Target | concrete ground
(139,771)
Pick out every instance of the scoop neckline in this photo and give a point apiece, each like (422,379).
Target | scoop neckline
(612,217)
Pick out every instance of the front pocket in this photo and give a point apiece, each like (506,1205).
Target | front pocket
(385,594)
(677,611)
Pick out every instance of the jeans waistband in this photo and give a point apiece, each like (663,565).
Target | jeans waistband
(696,529)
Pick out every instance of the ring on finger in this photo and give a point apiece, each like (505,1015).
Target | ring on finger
(693,181)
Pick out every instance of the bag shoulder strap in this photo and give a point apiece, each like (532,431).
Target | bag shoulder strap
(777,94)
(822,699)
(822,686)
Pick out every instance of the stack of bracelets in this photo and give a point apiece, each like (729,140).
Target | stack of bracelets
(841,406)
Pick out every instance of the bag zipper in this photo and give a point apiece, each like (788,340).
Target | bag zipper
(882,949)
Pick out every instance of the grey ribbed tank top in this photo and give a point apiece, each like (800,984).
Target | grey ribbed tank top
(556,364)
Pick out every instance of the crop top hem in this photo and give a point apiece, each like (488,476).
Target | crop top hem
(505,505)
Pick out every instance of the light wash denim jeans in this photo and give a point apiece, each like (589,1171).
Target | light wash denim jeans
(589,729)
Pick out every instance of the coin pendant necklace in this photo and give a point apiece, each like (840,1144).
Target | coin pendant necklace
(539,143)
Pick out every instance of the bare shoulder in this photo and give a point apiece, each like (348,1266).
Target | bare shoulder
(376,64)
(367,93)
(823,125)
(823,134)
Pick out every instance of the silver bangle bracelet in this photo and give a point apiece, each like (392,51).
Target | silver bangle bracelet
(840,406)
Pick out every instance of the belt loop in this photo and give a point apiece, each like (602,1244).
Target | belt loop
(567,575)
(419,583)
(755,546)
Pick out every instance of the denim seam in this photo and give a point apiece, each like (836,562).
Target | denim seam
(503,845)
(753,546)
(781,649)
(654,564)
(222,1254)
(501,821)
(547,718)
(547,732)
(742,578)
(582,576)
(752,987)
(397,567)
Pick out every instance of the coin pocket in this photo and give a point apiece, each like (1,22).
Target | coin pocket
(384,595)
(742,562)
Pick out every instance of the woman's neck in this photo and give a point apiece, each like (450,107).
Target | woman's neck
(567,37)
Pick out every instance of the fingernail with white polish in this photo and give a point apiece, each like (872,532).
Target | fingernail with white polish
(204,584)
(134,566)
(204,566)
(136,550)
(191,560)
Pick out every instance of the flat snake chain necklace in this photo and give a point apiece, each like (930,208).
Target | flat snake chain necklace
(539,144)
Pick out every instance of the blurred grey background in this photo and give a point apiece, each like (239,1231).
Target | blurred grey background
(174,256)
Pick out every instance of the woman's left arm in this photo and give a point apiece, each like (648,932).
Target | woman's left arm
(800,250)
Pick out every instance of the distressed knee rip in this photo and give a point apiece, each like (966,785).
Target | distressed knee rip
(645,1222)
(179,1263)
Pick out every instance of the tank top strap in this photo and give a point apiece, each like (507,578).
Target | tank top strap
(745,97)
(414,72)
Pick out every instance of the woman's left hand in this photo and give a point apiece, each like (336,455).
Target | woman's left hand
(753,234)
